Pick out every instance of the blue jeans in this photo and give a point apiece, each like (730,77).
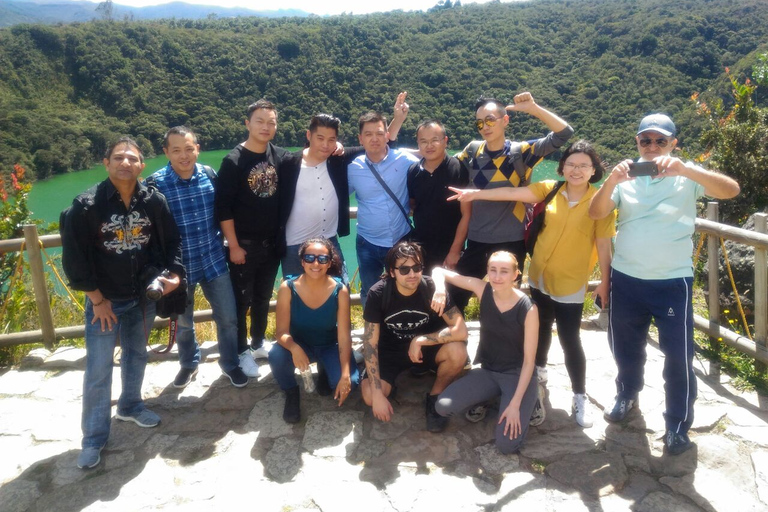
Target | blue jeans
(283,369)
(219,294)
(292,264)
(371,261)
(134,322)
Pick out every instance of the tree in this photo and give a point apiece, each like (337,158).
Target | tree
(106,10)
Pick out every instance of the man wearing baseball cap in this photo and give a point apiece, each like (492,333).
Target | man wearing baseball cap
(652,271)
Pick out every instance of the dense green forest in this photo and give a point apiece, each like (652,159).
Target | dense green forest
(66,90)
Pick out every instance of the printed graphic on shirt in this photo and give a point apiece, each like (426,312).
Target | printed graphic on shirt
(263,179)
(404,324)
(126,232)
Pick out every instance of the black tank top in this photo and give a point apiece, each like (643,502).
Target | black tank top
(501,334)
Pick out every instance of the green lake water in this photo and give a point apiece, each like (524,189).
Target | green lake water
(49,197)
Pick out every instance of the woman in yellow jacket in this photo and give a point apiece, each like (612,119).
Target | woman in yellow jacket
(568,246)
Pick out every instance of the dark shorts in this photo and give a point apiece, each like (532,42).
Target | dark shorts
(391,364)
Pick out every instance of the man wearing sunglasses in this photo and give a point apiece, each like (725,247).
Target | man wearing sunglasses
(652,271)
(498,162)
(403,329)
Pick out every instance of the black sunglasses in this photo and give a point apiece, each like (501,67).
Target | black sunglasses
(406,269)
(321,258)
(662,143)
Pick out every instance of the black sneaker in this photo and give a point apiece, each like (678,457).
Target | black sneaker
(676,443)
(292,409)
(476,413)
(237,377)
(620,409)
(184,377)
(435,422)
(322,388)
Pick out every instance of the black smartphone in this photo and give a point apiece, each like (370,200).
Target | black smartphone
(643,169)
(598,303)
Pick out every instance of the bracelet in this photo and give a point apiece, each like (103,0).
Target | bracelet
(102,301)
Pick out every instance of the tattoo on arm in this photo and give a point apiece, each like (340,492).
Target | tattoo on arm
(371,350)
(451,313)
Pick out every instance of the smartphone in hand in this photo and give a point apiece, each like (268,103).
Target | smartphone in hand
(643,169)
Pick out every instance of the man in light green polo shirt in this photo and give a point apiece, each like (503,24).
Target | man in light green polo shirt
(652,270)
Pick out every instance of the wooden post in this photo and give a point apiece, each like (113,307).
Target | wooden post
(713,263)
(761,289)
(38,282)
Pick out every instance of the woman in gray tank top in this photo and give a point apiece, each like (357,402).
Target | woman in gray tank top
(509,327)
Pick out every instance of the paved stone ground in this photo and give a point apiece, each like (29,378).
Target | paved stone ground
(221,448)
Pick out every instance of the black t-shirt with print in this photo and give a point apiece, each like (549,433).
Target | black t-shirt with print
(404,316)
(247,192)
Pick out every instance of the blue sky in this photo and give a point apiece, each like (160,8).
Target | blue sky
(314,6)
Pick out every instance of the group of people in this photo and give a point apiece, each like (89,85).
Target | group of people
(266,207)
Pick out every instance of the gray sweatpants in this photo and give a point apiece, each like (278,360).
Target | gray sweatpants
(481,385)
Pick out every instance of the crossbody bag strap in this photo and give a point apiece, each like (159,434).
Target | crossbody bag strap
(389,192)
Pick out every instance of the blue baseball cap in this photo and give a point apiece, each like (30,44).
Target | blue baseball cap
(657,123)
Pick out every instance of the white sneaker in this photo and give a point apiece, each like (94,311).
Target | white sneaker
(248,365)
(263,351)
(541,372)
(581,411)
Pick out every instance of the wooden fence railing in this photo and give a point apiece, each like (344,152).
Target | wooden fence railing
(48,334)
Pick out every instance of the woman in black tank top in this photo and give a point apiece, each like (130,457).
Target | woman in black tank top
(509,326)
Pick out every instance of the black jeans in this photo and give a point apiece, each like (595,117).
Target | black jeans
(253,283)
(568,318)
(474,263)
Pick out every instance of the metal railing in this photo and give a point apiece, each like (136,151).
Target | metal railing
(48,334)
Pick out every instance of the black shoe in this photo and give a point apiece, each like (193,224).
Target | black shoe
(435,422)
(237,377)
(292,409)
(184,377)
(676,443)
(620,409)
(323,388)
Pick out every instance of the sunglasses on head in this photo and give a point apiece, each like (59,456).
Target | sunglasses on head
(646,141)
(406,269)
(321,258)
(489,121)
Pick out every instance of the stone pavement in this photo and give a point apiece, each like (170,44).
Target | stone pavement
(221,448)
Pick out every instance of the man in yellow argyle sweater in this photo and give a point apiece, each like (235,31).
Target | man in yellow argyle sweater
(497,162)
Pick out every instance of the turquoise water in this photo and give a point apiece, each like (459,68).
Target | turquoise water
(49,197)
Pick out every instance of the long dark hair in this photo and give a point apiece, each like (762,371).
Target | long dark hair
(583,146)
(335,269)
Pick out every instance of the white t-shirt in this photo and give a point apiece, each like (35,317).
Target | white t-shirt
(315,210)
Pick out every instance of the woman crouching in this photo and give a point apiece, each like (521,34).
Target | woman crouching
(313,325)
(509,327)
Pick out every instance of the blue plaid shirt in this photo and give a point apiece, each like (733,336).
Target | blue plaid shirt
(191,203)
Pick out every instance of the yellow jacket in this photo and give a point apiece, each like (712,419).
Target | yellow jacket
(565,252)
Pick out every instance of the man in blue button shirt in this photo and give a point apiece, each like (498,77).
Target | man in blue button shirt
(381,222)
(189,189)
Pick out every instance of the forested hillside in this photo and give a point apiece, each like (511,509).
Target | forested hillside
(64,91)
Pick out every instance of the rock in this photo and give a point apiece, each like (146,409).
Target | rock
(495,462)
(34,358)
(266,418)
(552,446)
(70,358)
(627,442)
(333,434)
(66,386)
(637,463)
(421,447)
(639,486)
(126,435)
(368,449)
(282,461)
(760,463)
(19,495)
(662,502)
(401,421)
(66,472)
(189,450)
(117,460)
(159,443)
(756,435)
(15,383)
(606,472)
